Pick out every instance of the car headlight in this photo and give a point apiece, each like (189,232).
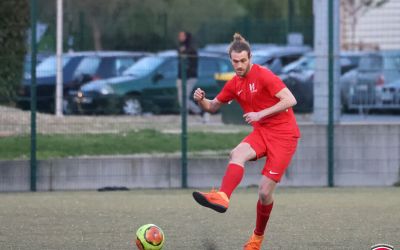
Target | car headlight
(106,90)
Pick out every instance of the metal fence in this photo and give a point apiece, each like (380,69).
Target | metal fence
(26,135)
(375,84)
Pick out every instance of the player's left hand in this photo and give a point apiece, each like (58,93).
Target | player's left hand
(252,117)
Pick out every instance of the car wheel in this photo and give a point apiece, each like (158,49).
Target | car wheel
(131,106)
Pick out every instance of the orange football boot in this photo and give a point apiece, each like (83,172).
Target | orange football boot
(215,200)
(254,243)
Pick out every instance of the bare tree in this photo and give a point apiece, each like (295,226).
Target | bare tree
(353,10)
(98,13)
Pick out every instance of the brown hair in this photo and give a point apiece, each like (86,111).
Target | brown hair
(239,44)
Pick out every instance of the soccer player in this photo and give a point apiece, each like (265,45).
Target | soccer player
(267,106)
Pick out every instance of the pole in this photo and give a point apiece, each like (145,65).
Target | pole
(81,30)
(33,96)
(330,128)
(184,122)
(59,80)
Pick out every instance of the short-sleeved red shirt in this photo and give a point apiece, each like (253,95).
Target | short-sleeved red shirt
(256,91)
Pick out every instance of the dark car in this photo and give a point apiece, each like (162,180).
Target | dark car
(148,86)
(273,57)
(222,48)
(78,68)
(299,77)
(40,57)
(365,83)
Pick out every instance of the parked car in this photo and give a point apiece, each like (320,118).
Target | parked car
(222,48)
(148,86)
(390,95)
(78,68)
(299,77)
(273,57)
(28,62)
(365,83)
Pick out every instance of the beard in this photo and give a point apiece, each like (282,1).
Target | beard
(242,72)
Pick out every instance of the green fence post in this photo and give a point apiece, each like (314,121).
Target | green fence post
(33,95)
(330,100)
(184,122)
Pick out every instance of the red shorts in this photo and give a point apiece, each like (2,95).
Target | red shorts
(277,146)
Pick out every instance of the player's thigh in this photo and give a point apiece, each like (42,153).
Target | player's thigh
(280,151)
(256,141)
(243,152)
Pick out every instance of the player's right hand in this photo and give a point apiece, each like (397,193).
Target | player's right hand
(199,95)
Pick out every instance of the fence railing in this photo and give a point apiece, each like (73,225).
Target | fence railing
(364,98)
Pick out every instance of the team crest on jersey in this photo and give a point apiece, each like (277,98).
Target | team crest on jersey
(252,87)
(382,247)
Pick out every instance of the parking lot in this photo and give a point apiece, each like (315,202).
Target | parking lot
(14,121)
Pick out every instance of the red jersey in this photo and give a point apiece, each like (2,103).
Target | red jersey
(256,91)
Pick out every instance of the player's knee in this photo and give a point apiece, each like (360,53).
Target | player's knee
(265,198)
(265,195)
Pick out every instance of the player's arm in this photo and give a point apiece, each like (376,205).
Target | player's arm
(286,100)
(208,105)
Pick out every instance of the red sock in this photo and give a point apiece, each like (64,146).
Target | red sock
(263,212)
(233,175)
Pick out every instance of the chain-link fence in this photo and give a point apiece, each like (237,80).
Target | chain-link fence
(369,27)
(120,124)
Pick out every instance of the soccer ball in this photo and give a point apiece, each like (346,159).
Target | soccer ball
(149,237)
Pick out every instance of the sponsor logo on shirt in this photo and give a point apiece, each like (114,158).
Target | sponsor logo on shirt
(252,87)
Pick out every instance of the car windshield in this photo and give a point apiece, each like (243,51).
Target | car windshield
(88,65)
(355,59)
(48,67)
(259,59)
(144,66)
(304,63)
(392,62)
(371,63)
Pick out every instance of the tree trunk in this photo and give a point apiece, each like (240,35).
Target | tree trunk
(96,34)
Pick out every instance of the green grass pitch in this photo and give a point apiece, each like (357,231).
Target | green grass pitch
(302,218)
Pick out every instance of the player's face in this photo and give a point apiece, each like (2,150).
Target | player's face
(240,62)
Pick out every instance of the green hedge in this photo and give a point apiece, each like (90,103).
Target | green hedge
(14,21)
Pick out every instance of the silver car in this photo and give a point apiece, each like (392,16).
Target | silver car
(390,95)
(365,83)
